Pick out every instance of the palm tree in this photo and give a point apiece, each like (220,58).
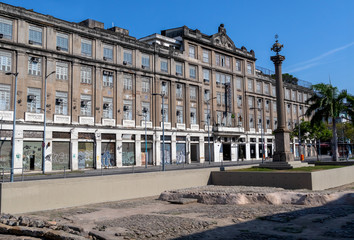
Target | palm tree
(327,103)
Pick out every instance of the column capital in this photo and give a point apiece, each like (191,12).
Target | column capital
(277,59)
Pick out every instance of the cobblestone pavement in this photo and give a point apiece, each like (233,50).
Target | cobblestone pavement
(149,218)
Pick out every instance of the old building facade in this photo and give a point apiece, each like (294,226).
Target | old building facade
(109,87)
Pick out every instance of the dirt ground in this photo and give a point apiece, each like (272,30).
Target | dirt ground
(150,218)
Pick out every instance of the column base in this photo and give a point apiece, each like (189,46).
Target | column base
(284,165)
(283,157)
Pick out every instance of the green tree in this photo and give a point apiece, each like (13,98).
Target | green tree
(315,133)
(326,104)
(288,78)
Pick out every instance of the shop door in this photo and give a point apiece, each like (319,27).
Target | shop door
(253,150)
(167,153)
(86,155)
(194,152)
(269,150)
(32,155)
(146,154)
(180,153)
(60,155)
(128,154)
(241,152)
(206,152)
(226,154)
(108,150)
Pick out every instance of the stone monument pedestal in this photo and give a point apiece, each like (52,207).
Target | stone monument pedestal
(284,165)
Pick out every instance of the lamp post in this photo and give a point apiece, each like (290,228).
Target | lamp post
(261,111)
(162,95)
(299,139)
(145,112)
(208,103)
(45,121)
(13,128)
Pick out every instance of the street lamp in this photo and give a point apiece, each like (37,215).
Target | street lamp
(299,140)
(45,119)
(261,111)
(13,128)
(162,95)
(208,103)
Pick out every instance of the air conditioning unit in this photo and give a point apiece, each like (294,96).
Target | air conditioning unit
(30,41)
(163,83)
(34,59)
(125,63)
(1,35)
(58,48)
(59,101)
(145,110)
(192,114)
(106,105)
(142,66)
(206,80)
(104,59)
(178,86)
(178,113)
(83,104)
(31,98)
(125,108)
(251,120)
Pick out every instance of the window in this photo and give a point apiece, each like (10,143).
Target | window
(219,117)
(249,68)
(34,100)
(288,109)
(164,65)
(107,52)
(267,123)
(179,113)
(164,112)
(259,87)
(206,95)
(218,98)
(299,97)
(238,65)
(206,75)
(86,75)
(145,85)
(35,35)
(192,51)
(294,109)
(164,88)
(128,57)
(146,106)
(293,95)
(192,71)
(62,70)
(61,103)
(275,123)
(239,83)
(250,85)
(128,82)
(239,119)
(86,47)
(273,91)
(206,114)
(250,102)
(274,106)
(107,79)
(223,98)
(5,95)
(305,97)
(85,105)
(179,91)
(128,110)
(193,93)
(266,88)
(287,94)
(62,42)
(222,78)
(34,66)
(267,103)
(206,55)
(145,61)
(239,101)
(222,60)
(193,115)
(251,121)
(179,68)
(300,110)
(6,28)
(107,108)
(5,61)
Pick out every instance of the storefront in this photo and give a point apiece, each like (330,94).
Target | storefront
(253,148)
(194,149)
(147,150)
(108,150)
(128,150)
(86,150)
(5,154)
(241,149)
(206,149)
(61,151)
(180,150)
(167,152)
(32,155)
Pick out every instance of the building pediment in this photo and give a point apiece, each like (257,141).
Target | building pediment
(221,39)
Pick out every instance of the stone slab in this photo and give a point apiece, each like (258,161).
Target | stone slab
(284,165)
(184,200)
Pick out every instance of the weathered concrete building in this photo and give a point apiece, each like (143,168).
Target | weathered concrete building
(104,85)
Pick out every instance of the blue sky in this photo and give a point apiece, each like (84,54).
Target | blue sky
(318,35)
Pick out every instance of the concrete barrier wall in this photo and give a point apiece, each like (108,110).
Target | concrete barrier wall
(295,180)
(21,197)
(318,180)
(332,178)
